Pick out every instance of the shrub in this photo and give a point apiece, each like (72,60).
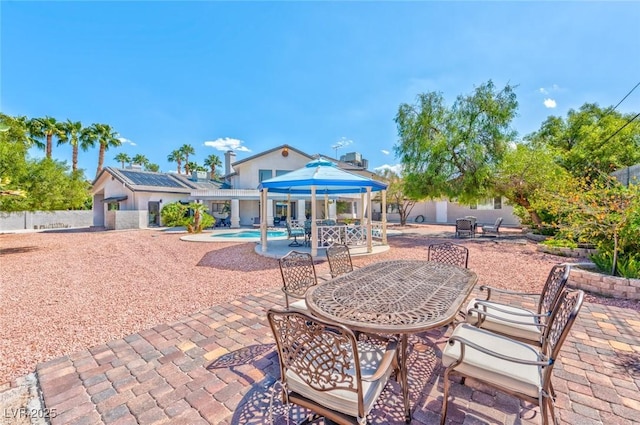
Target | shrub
(628,264)
(173,215)
(560,243)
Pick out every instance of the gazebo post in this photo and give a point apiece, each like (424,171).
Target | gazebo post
(326,206)
(289,208)
(384,217)
(263,219)
(369,223)
(314,226)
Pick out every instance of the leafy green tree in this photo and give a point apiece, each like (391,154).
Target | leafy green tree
(187,150)
(123,158)
(213,161)
(605,213)
(396,195)
(47,128)
(529,177)
(140,160)
(71,132)
(152,167)
(455,151)
(177,157)
(194,166)
(592,140)
(104,136)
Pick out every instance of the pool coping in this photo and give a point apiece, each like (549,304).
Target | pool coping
(207,236)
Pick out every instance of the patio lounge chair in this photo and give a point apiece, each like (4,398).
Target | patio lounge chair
(492,230)
(464,227)
(295,232)
(448,253)
(517,322)
(324,368)
(298,274)
(508,365)
(339,260)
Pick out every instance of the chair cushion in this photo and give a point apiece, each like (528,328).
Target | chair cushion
(347,401)
(300,305)
(521,378)
(529,332)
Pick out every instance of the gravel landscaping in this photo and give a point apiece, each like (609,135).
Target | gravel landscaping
(63,291)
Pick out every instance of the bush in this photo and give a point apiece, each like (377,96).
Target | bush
(628,264)
(173,215)
(560,243)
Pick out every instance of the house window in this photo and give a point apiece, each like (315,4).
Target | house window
(282,172)
(488,204)
(264,175)
(218,207)
(113,206)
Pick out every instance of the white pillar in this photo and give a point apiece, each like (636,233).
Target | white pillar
(384,217)
(263,220)
(301,210)
(333,208)
(288,208)
(235,213)
(269,214)
(369,223)
(314,226)
(326,206)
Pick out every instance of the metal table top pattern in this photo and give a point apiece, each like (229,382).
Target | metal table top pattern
(400,296)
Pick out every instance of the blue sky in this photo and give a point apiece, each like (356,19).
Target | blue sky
(254,75)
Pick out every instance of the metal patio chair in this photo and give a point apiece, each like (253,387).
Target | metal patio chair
(508,365)
(448,253)
(339,260)
(492,230)
(295,232)
(464,226)
(514,321)
(324,368)
(298,274)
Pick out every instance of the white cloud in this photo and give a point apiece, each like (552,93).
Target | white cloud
(543,90)
(397,168)
(126,141)
(227,144)
(550,103)
(384,151)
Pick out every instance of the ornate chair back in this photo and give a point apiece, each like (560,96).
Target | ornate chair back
(448,253)
(339,260)
(298,274)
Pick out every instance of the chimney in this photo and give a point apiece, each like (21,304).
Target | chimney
(229,158)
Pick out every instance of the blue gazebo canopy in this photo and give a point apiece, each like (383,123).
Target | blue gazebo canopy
(325,176)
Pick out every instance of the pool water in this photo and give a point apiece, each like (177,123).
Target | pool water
(251,234)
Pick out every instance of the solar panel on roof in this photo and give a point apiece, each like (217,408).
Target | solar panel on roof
(149,179)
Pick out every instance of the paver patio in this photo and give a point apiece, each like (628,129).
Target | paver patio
(219,365)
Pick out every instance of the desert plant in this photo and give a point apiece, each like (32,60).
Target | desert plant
(173,215)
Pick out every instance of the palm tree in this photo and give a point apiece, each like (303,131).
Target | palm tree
(177,157)
(187,150)
(213,161)
(122,158)
(71,133)
(46,127)
(104,135)
(140,160)
(152,167)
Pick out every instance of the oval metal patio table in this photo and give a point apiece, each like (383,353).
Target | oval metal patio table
(396,297)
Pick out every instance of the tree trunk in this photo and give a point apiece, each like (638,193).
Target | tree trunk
(100,158)
(49,144)
(74,158)
(533,214)
(614,263)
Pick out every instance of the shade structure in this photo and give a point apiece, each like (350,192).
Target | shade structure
(325,176)
(320,177)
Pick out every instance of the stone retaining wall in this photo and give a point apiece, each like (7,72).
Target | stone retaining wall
(567,252)
(609,286)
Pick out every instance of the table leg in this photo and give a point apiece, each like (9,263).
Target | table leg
(404,376)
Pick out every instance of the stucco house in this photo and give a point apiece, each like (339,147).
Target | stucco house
(132,198)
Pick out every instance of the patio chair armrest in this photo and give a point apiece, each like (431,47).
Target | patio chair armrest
(387,361)
(482,303)
(292,294)
(490,289)
(481,314)
(466,343)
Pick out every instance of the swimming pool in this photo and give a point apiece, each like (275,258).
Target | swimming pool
(251,234)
